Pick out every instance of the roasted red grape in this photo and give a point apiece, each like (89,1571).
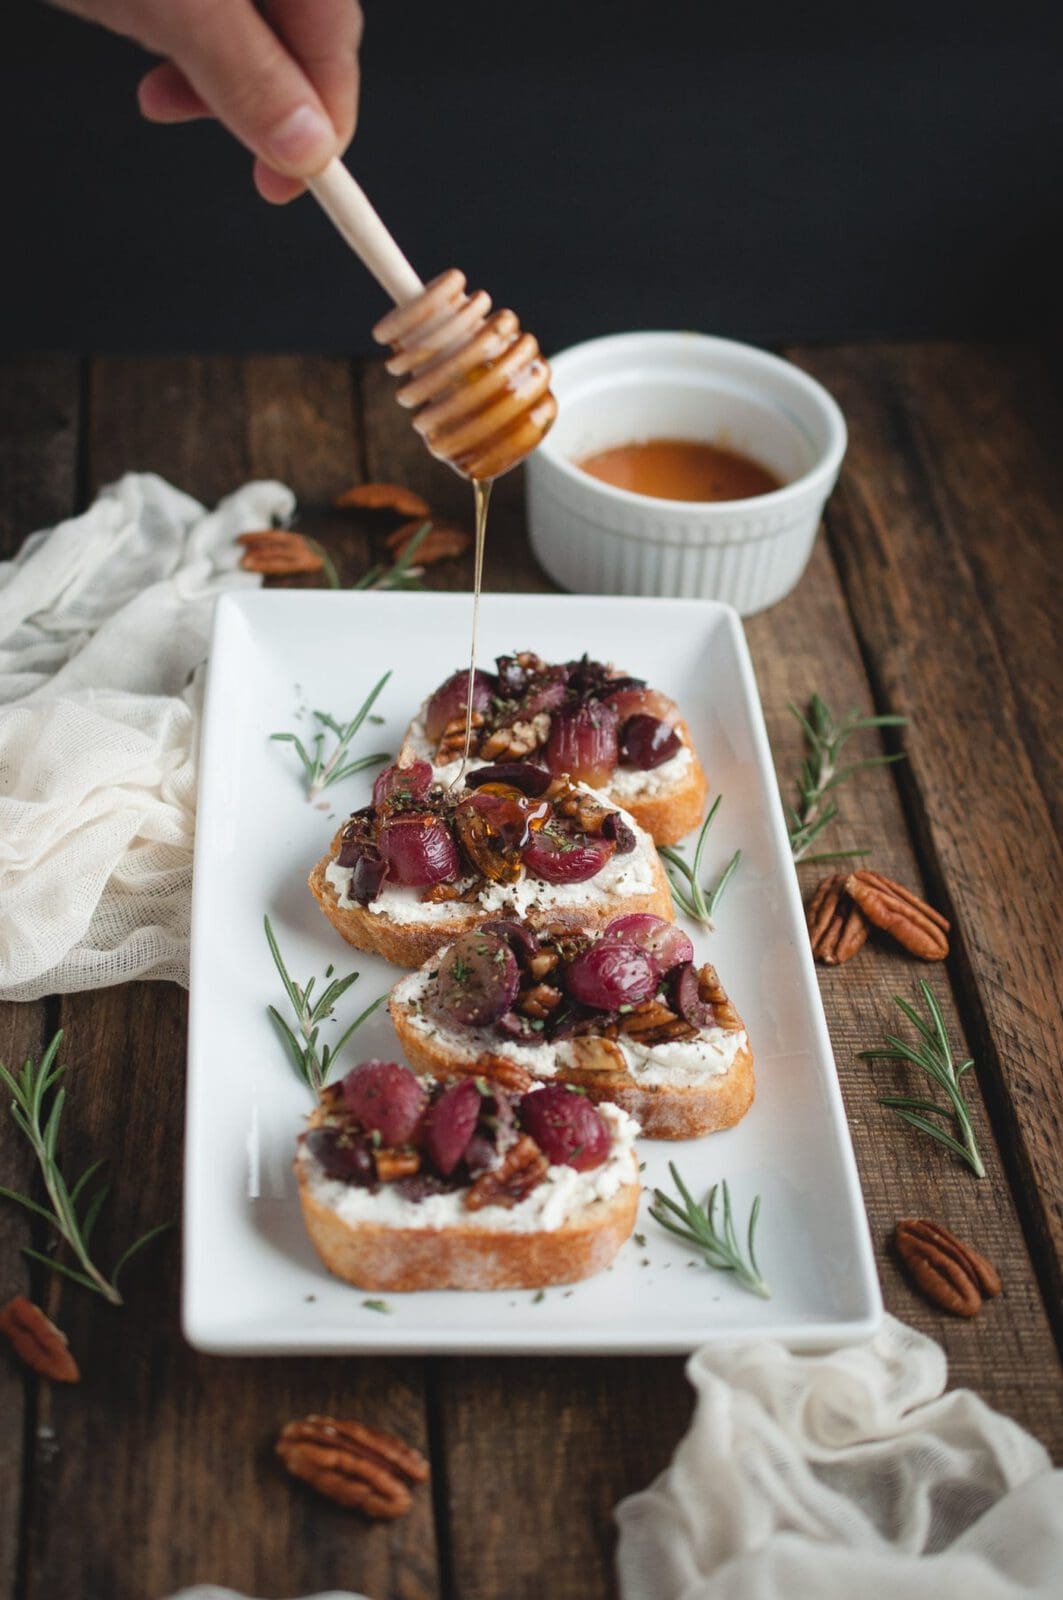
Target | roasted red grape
(663,942)
(386,1098)
(566,1127)
(518,774)
(520,938)
(342,1155)
(476,980)
(493,824)
(634,702)
(647,742)
(583,743)
(556,858)
(688,1002)
(451,698)
(450,1123)
(611,975)
(418,849)
(546,692)
(398,784)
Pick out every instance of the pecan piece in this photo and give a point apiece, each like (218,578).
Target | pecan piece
(37,1341)
(542,962)
(438,893)
(442,542)
(452,743)
(654,1023)
(578,806)
(517,739)
(837,927)
(539,1001)
(900,913)
(383,497)
(522,1169)
(392,1164)
(951,1274)
(497,1069)
(713,993)
(590,1052)
(278,553)
(352,1464)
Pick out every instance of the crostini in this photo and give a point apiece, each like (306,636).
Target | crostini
(409,1184)
(621,1012)
(423,864)
(581,718)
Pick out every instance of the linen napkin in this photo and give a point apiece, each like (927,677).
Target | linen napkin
(103,623)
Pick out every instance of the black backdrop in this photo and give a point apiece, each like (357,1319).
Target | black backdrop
(766,171)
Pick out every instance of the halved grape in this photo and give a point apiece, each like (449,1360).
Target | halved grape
(569,1131)
(520,775)
(608,976)
(521,940)
(495,1130)
(546,692)
(418,849)
(450,1123)
(558,858)
(583,743)
(386,1098)
(663,942)
(476,980)
(614,827)
(359,852)
(451,698)
(647,742)
(343,1155)
(688,1002)
(359,834)
(399,784)
(633,702)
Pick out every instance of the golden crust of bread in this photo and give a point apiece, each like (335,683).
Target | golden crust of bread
(373,1256)
(409,944)
(663,1111)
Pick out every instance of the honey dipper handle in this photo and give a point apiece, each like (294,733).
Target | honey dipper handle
(345,202)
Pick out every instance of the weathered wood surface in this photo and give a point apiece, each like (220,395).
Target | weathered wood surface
(157,1471)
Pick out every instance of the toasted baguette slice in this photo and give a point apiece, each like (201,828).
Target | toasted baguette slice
(408,940)
(489,1249)
(705,1102)
(667,802)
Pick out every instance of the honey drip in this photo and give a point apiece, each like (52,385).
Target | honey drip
(481,496)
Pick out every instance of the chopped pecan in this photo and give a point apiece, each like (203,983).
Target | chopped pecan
(443,541)
(352,1464)
(516,739)
(37,1341)
(392,1164)
(440,892)
(837,927)
(578,806)
(542,962)
(539,1001)
(899,912)
(950,1273)
(278,553)
(383,497)
(654,1023)
(590,1052)
(452,743)
(522,1169)
(497,1069)
(713,993)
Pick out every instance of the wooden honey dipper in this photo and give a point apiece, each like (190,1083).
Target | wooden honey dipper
(479,388)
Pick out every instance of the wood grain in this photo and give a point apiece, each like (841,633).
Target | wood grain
(913,544)
(39,414)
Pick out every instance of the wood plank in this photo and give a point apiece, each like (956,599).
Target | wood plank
(915,552)
(160,1469)
(39,414)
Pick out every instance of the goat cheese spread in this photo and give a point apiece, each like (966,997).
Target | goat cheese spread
(673,1065)
(562,1193)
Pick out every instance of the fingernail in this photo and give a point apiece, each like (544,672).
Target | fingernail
(300,137)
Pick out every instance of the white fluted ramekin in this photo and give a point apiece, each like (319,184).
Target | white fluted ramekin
(597,539)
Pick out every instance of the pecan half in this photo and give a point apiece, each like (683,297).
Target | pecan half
(950,1273)
(497,1069)
(900,913)
(442,542)
(542,962)
(578,806)
(539,1001)
(516,739)
(522,1169)
(37,1341)
(383,497)
(452,743)
(591,1053)
(713,993)
(278,553)
(392,1164)
(352,1464)
(837,927)
(654,1023)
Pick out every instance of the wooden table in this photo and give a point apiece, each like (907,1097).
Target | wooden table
(930,593)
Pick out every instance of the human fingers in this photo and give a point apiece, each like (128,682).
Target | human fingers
(324,36)
(165,95)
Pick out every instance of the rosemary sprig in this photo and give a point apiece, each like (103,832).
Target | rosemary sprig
(321,771)
(312,1065)
(403,574)
(697,1226)
(821,773)
(934,1057)
(690,894)
(328,566)
(39,1120)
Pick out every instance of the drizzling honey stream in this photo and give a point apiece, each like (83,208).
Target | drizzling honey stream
(480,390)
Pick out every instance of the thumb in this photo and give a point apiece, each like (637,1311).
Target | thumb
(237,65)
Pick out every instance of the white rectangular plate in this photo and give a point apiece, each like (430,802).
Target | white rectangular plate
(252,1282)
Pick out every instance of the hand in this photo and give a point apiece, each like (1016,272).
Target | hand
(286,84)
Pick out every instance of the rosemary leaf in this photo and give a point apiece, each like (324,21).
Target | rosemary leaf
(697,900)
(821,771)
(321,770)
(301,1042)
(696,1226)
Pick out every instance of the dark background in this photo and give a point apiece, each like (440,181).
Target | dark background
(762,171)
